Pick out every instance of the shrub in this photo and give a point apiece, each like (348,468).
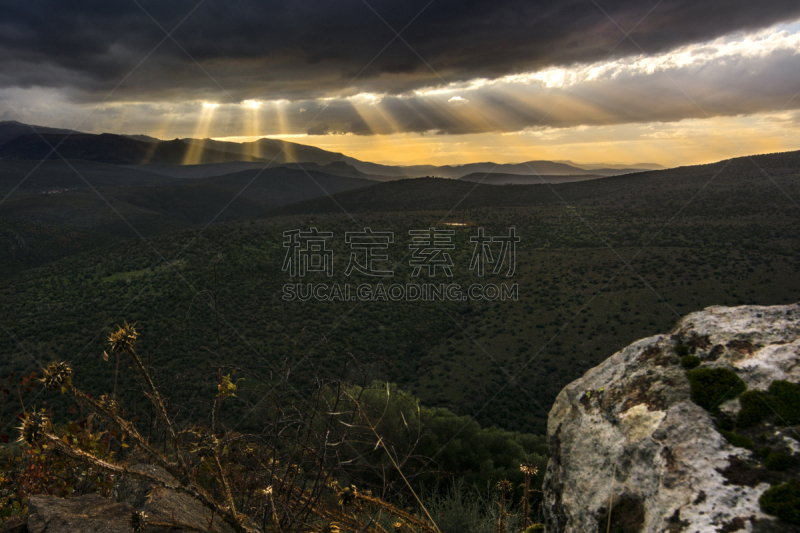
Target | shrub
(462,448)
(724,422)
(739,441)
(710,386)
(463,508)
(682,350)
(783,501)
(778,461)
(786,402)
(755,406)
(763,453)
(690,361)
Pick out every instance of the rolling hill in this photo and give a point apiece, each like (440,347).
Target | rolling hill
(275,150)
(458,171)
(50,194)
(54,206)
(11,129)
(517,179)
(220,169)
(28,176)
(112,149)
(660,190)
(600,264)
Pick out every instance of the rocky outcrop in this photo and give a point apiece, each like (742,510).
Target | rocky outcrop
(87,514)
(166,510)
(163,505)
(15,524)
(633,452)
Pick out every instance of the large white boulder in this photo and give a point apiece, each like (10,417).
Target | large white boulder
(628,436)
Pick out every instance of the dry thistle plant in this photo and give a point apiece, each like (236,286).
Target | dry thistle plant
(529,471)
(504,488)
(33,427)
(282,480)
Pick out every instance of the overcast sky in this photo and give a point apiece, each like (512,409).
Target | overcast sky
(441,81)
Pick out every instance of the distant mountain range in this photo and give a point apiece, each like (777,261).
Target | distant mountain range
(114,187)
(529,168)
(199,158)
(614,166)
(518,179)
(740,184)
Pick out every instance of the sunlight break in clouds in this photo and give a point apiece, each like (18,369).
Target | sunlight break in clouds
(729,49)
(632,109)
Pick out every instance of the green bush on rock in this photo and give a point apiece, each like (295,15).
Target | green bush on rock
(712,386)
(786,402)
(778,461)
(737,440)
(690,361)
(755,406)
(783,501)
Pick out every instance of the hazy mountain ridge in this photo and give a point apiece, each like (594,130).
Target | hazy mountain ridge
(210,170)
(160,197)
(274,150)
(519,179)
(528,168)
(615,166)
(736,181)
(18,141)
(11,129)
(109,148)
(458,171)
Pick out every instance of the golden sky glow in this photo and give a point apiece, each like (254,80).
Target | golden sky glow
(688,142)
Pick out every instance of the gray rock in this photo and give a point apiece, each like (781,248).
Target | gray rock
(167,510)
(86,514)
(133,491)
(626,436)
(164,505)
(15,524)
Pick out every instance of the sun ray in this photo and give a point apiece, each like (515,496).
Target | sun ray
(283,129)
(253,109)
(160,133)
(195,151)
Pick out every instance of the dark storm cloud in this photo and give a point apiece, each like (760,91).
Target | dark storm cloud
(306,49)
(719,81)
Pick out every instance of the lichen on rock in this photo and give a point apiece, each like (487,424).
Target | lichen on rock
(639,422)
